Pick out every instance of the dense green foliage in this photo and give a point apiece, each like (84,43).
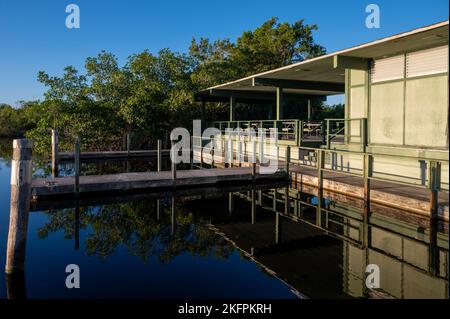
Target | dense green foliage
(151,93)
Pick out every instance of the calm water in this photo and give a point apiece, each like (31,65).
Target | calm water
(209,244)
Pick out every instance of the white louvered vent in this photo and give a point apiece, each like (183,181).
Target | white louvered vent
(392,68)
(426,62)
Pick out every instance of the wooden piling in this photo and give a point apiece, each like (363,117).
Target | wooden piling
(77,225)
(277,228)
(21,172)
(212,152)
(287,158)
(253,206)
(367,174)
(286,200)
(55,150)
(230,203)
(434,180)
(253,172)
(173,216)
(16,286)
(158,209)
(77,167)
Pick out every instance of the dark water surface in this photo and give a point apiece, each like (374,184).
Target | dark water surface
(212,244)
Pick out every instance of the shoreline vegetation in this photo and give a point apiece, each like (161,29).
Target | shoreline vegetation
(153,93)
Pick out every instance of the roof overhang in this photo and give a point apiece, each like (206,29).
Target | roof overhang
(325,75)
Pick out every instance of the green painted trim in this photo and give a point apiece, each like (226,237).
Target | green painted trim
(347,100)
(404,102)
(367,106)
(418,153)
(357,86)
(411,78)
(426,76)
(387,81)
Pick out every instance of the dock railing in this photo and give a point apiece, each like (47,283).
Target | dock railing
(346,131)
(317,158)
(298,132)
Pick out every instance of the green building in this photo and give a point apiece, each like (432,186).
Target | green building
(396,105)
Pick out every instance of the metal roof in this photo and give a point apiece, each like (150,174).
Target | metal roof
(319,76)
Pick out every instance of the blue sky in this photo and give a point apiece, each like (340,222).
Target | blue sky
(34,37)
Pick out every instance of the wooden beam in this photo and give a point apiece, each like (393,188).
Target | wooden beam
(348,62)
(299,84)
(242,94)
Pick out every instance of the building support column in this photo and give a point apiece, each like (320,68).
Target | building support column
(203,110)
(279,103)
(232,108)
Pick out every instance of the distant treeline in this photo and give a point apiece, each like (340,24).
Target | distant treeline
(153,93)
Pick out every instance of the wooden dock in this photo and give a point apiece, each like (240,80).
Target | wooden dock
(408,198)
(109,155)
(45,187)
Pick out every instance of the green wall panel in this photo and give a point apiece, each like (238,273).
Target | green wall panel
(386,113)
(426,111)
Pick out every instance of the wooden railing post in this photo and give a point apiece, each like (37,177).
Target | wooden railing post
(328,132)
(254,161)
(365,134)
(320,166)
(21,172)
(128,144)
(77,166)
(173,163)
(55,151)
(158,155)
(239,149)
(299,132)
(324,132)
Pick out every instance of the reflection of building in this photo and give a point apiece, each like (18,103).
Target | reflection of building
(326,257)
(396,104)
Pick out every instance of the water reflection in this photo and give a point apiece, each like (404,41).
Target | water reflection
(323,247)
(317,248)
(274,241)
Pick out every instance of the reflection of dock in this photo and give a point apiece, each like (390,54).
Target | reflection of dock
(148,180)
(322,250)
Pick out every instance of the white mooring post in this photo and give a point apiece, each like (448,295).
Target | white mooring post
(21,171)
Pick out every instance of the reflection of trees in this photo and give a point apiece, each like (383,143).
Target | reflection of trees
(135,226)
(5,149)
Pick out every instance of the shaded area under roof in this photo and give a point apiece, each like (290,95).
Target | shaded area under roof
(321,75)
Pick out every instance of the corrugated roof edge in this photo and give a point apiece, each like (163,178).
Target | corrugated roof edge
(360,46)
